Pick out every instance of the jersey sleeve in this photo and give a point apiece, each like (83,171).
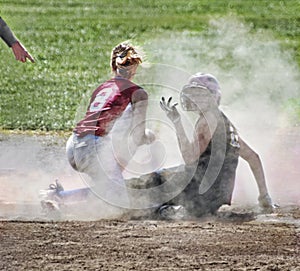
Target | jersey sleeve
(6,34)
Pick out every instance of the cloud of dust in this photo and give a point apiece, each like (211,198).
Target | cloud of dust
(257,79)
(28,163)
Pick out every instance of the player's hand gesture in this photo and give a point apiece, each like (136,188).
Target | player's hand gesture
(170,110)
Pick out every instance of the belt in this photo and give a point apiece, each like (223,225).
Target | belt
(87,136)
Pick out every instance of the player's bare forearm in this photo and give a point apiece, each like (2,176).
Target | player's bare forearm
(256,166)
(140,104)
(188,149)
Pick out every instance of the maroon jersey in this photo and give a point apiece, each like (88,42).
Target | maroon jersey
(108,102)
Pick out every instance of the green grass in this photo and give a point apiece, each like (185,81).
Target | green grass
(71,42)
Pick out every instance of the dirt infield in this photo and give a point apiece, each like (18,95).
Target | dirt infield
(239,239)
(151,245)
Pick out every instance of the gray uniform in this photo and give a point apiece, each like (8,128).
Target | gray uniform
(220,191)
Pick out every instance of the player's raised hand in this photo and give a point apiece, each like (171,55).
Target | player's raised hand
(170,110)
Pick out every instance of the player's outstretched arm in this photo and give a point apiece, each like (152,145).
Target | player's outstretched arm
(172,113)
(256,166)
(141,135)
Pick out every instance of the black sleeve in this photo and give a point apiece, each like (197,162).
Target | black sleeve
(6,34)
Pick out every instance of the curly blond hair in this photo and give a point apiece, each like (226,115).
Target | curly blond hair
(123,56)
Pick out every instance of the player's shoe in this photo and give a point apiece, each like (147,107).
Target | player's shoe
(50,198)
(172,212)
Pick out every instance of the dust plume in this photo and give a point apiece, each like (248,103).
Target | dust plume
(257,79)
(28,163)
